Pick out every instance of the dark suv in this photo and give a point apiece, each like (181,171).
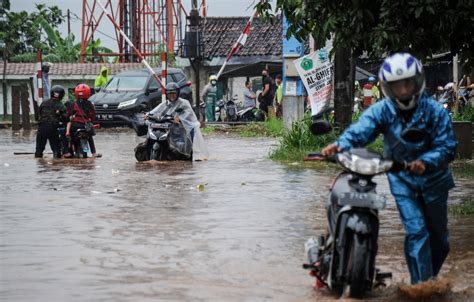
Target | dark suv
(133,91)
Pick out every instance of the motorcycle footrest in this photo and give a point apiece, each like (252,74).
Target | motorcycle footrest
(311,267)
(381,276)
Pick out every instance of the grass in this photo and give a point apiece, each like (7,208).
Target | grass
(466,207)
(269,128)
(7,118)
(208,130)
(299,141)
(463,168)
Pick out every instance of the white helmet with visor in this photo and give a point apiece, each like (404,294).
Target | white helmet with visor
(402,80)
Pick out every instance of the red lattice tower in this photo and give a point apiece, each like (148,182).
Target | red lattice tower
(151,25)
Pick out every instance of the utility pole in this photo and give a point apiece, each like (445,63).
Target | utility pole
(193,51)
(68,22)
(293,101)
(455,83)
(344,76)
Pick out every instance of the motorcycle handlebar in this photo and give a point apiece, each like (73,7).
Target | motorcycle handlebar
(164,119)
(317,156)
(320,157)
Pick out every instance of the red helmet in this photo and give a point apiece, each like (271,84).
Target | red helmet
(82,91)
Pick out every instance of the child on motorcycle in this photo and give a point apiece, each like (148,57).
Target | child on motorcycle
(421,192)
(80,113)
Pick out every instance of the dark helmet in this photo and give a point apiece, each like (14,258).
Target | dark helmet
(172,88)
(57,92)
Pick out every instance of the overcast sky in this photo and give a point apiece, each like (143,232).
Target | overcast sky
(215,8)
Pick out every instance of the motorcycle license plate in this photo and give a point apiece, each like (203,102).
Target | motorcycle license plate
(363,200)
(160,126)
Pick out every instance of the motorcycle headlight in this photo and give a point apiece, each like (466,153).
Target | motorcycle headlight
(363,166)
(127,103)
(445,105)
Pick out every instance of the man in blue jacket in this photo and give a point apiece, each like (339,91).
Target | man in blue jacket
(421,192)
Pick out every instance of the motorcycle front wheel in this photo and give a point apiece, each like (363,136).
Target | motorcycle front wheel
(358,266)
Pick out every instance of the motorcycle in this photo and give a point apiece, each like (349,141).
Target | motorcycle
(345,256)
(165,140)
(79,146)
(230,111)
(251,114)
(220,115)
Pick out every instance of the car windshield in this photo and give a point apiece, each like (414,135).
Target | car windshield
(127,83)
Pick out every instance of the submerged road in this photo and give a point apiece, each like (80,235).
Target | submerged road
(231,228)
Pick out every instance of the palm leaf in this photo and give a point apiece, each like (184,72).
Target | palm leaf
(52,35)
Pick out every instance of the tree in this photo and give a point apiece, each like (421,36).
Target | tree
(59,49)
(20,32)
(379,27)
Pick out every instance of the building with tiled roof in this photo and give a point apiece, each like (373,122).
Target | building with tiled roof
(263,48)
(220,33)
(88,71)
(65,74)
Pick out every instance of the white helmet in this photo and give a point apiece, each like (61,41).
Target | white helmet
(402,66)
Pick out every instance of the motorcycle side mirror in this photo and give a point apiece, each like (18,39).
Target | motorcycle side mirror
(320,126)
(413,135)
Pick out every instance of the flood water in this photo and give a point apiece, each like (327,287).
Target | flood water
(231,228)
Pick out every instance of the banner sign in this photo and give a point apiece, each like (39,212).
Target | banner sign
(316,72)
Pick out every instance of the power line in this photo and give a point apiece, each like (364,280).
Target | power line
(79,19)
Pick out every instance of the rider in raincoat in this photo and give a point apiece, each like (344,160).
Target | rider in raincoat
(102,79)
(421,192)
(183,113)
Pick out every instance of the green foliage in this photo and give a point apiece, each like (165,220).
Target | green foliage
(62,50)
(94,48)
(19,30)
(170,57)
(466,207)
(208,130)
(297,142)
(466,115)
(377,27)
(271,128)
(463,169)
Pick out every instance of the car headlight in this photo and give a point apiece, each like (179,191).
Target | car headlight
(127,103)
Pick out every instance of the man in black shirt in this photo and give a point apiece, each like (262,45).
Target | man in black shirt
(51,114)
(268,91)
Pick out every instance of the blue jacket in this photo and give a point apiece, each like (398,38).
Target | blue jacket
(436,151)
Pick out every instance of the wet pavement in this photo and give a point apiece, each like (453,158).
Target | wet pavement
(231,228)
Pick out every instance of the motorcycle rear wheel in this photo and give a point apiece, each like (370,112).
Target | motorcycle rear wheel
(358,266)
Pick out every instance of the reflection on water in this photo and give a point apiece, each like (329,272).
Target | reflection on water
(232,227)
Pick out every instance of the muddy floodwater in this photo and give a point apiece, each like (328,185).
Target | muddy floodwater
(231,228)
